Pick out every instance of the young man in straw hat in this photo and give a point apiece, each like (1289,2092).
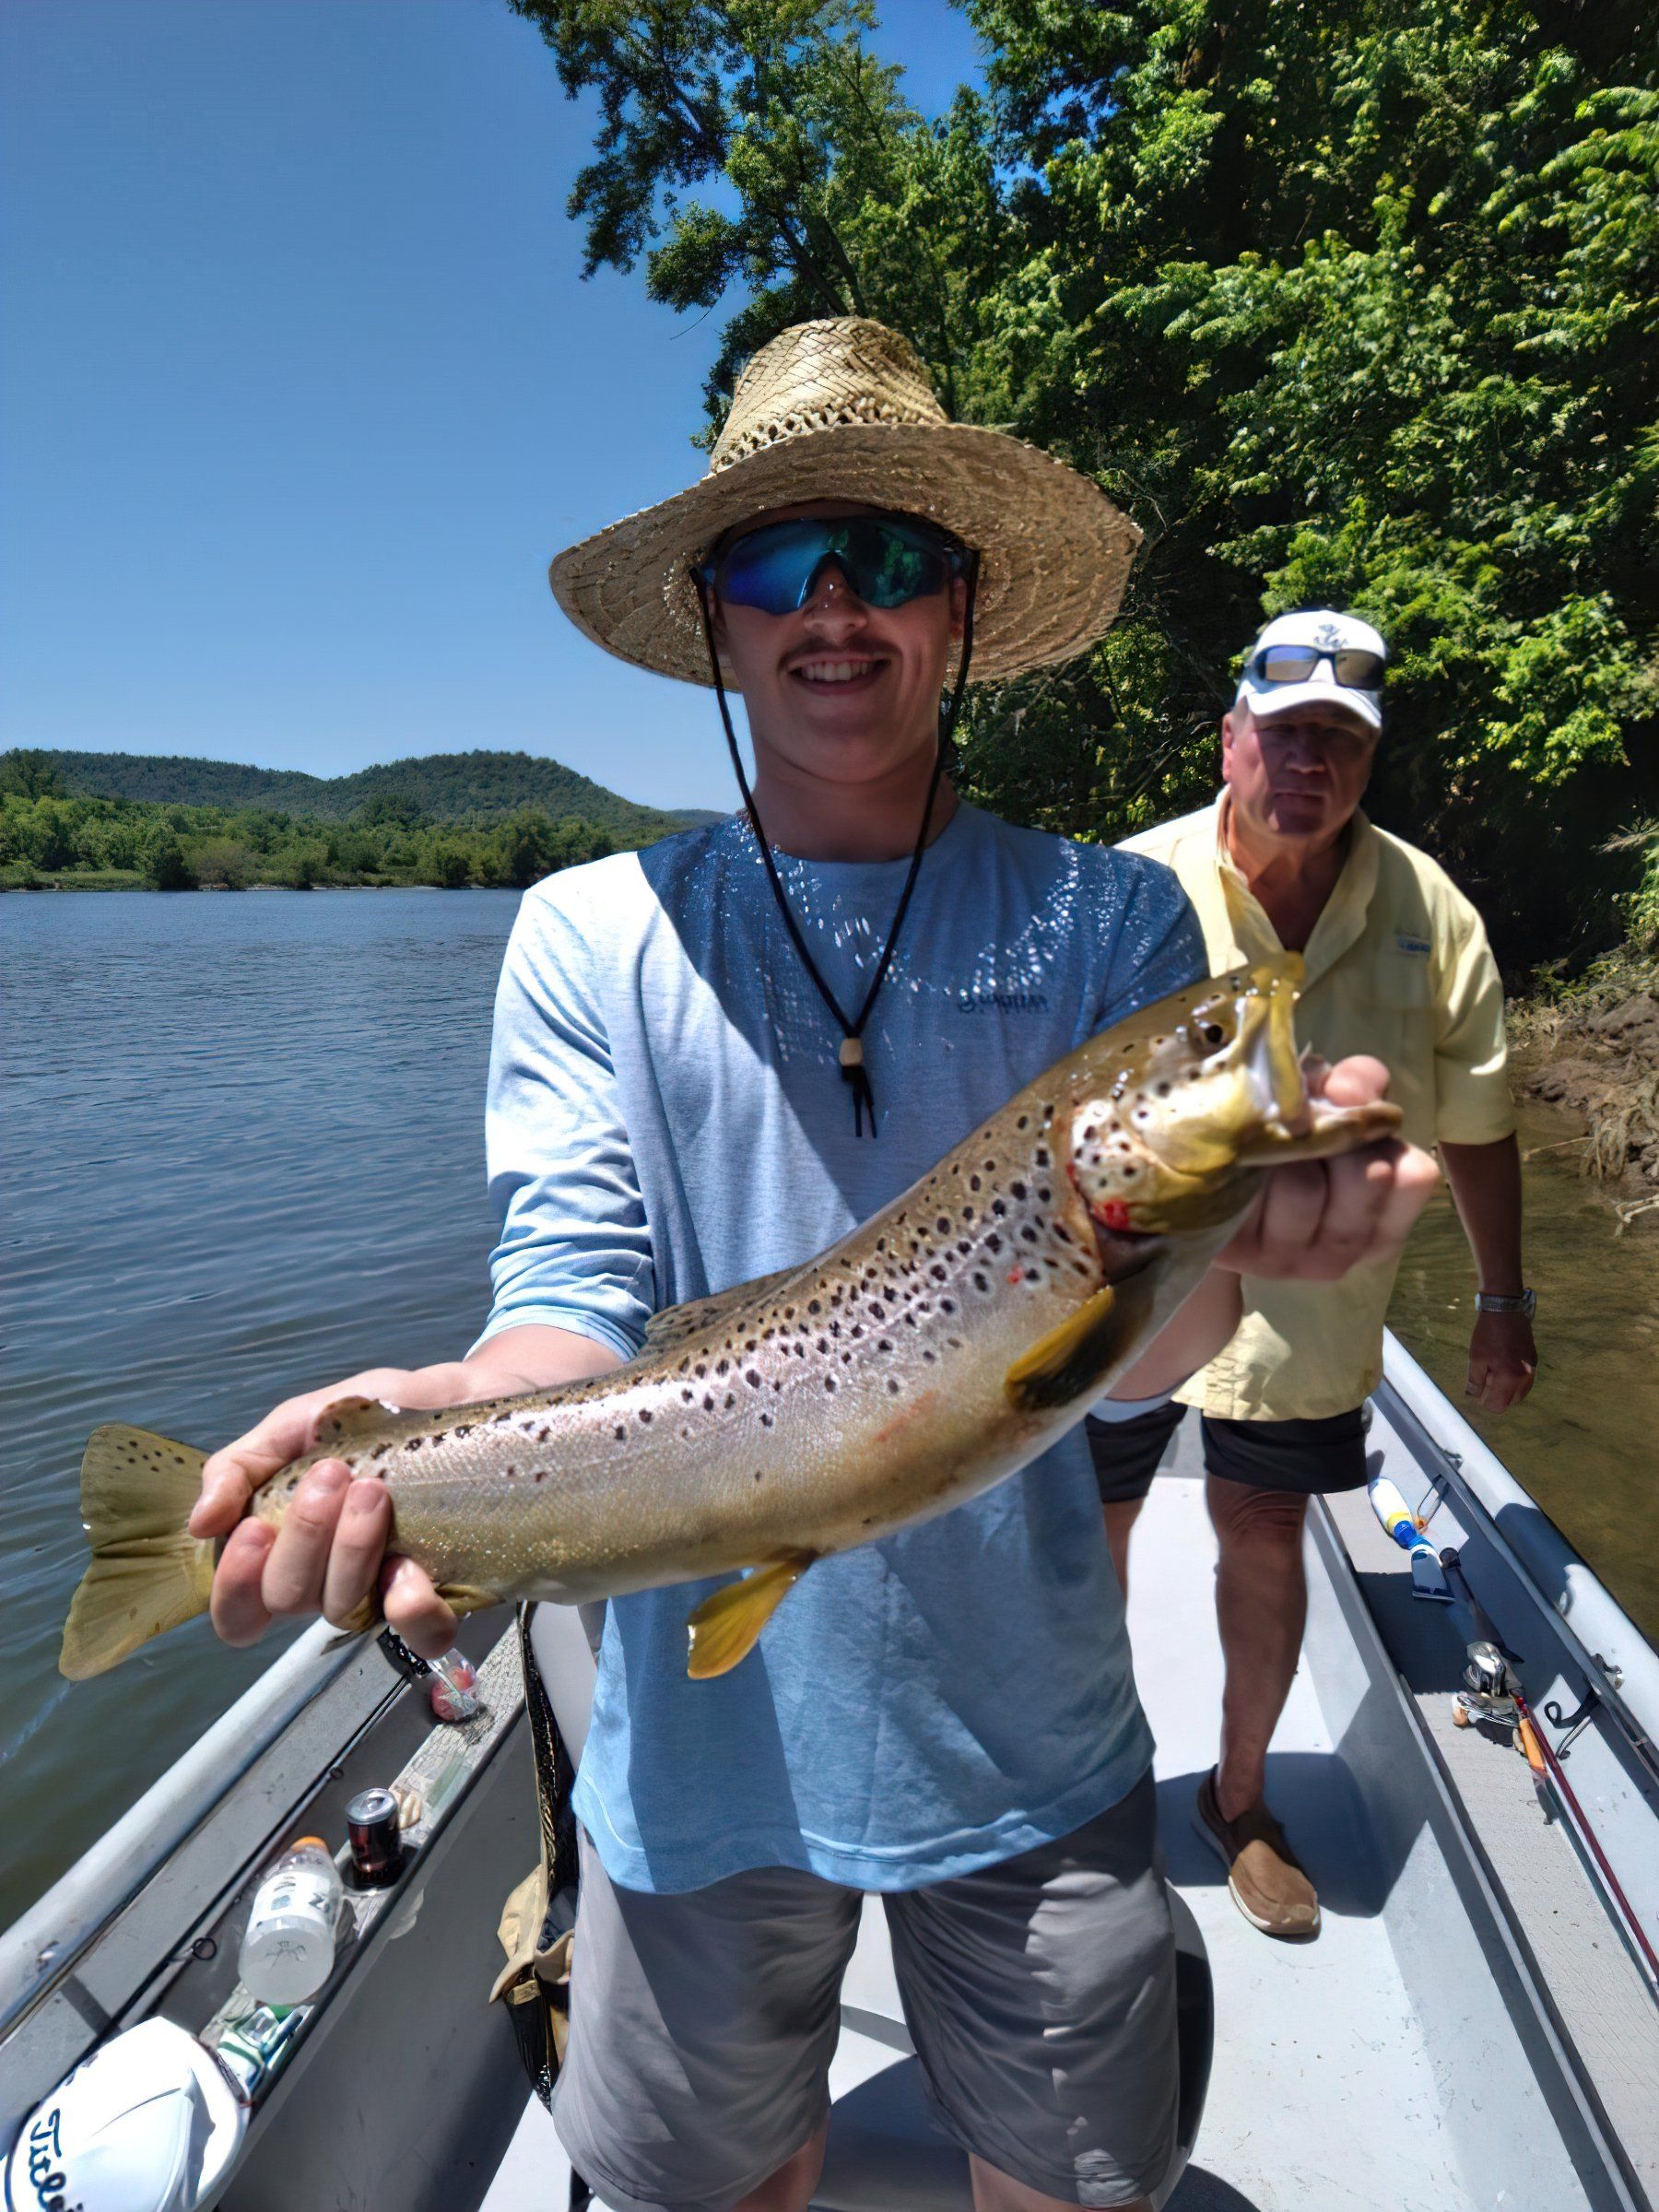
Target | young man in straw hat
(711,1059)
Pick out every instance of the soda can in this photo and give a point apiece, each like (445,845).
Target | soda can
(371,1830)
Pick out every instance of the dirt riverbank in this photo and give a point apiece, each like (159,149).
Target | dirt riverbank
(1594,1055)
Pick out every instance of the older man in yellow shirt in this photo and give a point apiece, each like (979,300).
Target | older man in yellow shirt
(1398,968)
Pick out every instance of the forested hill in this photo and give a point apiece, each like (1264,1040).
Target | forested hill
(437,787)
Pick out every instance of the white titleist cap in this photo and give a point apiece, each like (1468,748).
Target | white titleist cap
(1314,650)
(149,2124)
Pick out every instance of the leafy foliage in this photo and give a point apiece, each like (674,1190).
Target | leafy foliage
(1344,300)
(442,787)
(129,843)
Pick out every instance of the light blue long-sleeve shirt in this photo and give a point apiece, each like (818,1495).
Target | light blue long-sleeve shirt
(666,1118)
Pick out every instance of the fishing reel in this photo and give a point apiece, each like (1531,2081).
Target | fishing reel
(1490,1687)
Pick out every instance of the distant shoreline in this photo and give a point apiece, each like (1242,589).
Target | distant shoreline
(192,891)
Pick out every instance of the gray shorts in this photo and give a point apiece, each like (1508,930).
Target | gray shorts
(1040,1995)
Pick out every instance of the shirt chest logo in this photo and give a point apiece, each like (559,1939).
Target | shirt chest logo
(1002,1002)
(1419,947)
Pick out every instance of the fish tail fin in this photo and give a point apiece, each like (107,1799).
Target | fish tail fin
(148,1573)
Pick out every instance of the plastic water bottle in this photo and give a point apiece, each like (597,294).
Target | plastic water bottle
(290,1944)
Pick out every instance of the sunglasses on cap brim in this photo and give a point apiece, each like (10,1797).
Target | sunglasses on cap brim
(1354,668)
(886,561)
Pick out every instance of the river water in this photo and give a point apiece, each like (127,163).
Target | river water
(241,1153)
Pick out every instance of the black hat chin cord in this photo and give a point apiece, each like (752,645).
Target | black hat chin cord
(850,1055)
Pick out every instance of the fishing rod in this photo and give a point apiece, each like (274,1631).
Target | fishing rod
(1493,1690)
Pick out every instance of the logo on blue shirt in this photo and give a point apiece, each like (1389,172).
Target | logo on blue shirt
(1003,1002)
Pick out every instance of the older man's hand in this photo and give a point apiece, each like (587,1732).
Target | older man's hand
(1319,1217)
(1502,1360)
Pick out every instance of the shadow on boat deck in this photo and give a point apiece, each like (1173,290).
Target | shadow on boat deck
(1203,2191)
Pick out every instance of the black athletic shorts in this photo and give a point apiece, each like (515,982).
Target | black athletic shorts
(1309,1457)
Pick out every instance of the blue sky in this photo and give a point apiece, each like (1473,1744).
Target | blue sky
(300,388)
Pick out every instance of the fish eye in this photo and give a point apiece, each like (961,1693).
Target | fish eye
(1209,1028)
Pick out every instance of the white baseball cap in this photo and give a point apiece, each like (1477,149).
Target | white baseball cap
(150,2122)
(1325,633)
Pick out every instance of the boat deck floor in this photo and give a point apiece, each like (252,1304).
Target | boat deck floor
(1323,2097)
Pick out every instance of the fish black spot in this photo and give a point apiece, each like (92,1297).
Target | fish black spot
(877,1312)
(1042,1156)
(1029,1234)
(892,1387)
(1024,1121)
(823,1346)
(645,1415)
(750,1345)
(1016,1190)
(998,1208)
(730,1399)
(708,1402)
(540,1474)
(929,1355)
(973,1183)
(1130,1170)
(948,1305)
(541,1435)
(380,1450)
(942,1225)
(723,1367)
(814,1306)
(466,1428)
(511,1471)
(829,1381)
(1061,1233)
(687,1395)
(413,1444)
(884,1345)
(979,1282)
(766,1420)
(751,1377)
(937,1272)
(880,1246)
(618,1432)
(1043,1196)
(701,1371)
(1031,1275)
(756,1473)
(993,1243)
(964,1248)
(857,1329)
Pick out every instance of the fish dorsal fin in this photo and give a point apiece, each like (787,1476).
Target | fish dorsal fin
(1075,1360)
(342,1418)
(727,1626)
(674,1325)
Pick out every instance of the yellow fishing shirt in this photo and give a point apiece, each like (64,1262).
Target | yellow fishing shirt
(1398,966)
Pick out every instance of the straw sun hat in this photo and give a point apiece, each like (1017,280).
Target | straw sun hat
(845,410)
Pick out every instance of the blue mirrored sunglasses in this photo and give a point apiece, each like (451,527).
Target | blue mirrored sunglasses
(886,561)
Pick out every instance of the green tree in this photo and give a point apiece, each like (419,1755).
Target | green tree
(223,863)
(163,862)
(1349,303)
(32,774)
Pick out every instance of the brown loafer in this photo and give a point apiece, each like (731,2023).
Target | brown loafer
(1268,1884)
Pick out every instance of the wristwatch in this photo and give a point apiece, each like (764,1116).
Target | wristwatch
(1498,1302)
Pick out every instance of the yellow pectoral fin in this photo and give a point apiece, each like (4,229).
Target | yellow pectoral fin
(727,1626)
(1074,1359)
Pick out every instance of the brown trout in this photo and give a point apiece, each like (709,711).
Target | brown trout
(937,1349)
